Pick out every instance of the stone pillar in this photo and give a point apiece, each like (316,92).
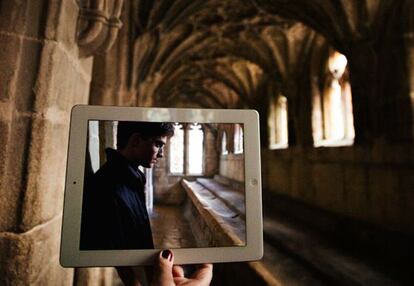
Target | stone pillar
(298,93)
(363,68)
(379,81)
(304,102)
(409,49)
(111,79)
(41,79)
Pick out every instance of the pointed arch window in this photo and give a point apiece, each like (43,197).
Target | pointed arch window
(238,139)
(186,151)
(195,149)
(224,150)
(176,155)
(278,123)
(335,107)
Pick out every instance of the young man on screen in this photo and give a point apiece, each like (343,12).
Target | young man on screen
(114,215)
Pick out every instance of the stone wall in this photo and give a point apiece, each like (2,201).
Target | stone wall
(232,167)
(374,185)
(42,77)
(44,73)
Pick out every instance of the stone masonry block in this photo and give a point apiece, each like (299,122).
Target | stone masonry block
(301,184)
(296,178)
(394,203)
(14,176)
(51,20)
(278,178)
(402,154)
(266,165)
(6,111)
(23,17)
(61,87)
(28,66)
(9,62)
(384,196)
(19,59)
(406,188)
(232,167)
(94,276)
(406,180)
(31,258)
(62,22)
(46,176)
(102,94)
(327,180)
(356,191)
(381,153)
(55,275)
(407,220)
(360,154)
(5,129)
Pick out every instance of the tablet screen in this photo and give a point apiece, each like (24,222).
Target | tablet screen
(163,185)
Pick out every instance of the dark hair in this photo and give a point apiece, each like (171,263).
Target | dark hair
(145,129)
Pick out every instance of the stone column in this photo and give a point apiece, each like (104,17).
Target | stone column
(409,48)
(41,79)
(111,79)
(362,61)
(379,81)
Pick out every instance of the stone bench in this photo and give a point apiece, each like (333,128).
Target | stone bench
(298,253)
(294,253)
(214,220)
(232,198)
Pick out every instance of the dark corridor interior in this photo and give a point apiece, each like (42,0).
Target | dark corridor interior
(332,81)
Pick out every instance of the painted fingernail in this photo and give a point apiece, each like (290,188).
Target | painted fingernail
(167,254)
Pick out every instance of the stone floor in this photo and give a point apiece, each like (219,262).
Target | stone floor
(170,229)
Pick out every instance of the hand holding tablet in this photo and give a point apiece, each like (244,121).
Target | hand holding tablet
(143,179)
(166,273)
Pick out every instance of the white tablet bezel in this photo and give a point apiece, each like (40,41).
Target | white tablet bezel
(72,256)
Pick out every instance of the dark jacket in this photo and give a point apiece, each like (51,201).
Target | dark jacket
(114,215)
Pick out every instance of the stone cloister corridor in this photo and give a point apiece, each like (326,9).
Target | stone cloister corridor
(332,80)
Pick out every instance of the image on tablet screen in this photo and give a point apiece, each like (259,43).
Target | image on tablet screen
(163,185)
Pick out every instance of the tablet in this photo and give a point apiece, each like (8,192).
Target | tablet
(140,180)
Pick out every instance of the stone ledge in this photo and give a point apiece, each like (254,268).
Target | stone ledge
(232,198)
(329,260)
(218,217)
(369,242)
(297,255)
(379,154)
(236,185)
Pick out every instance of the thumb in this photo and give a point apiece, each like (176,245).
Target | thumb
(163,273)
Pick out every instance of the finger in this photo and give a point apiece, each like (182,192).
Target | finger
(204,273)
(178,271)
(163,274)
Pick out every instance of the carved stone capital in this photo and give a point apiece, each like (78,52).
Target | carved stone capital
(98,25)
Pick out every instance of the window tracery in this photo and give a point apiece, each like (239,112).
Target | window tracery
(336,116)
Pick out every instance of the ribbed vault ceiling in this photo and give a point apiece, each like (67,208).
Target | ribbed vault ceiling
(228,54)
